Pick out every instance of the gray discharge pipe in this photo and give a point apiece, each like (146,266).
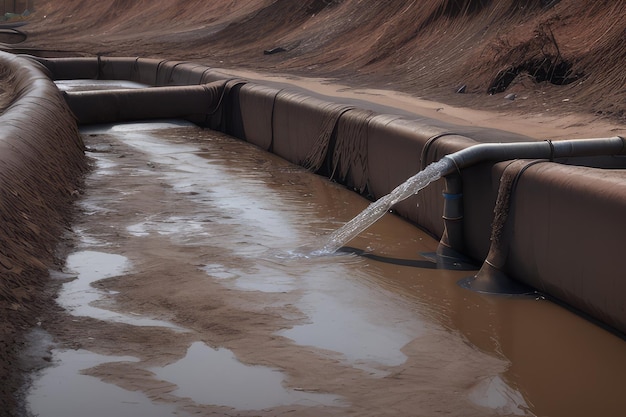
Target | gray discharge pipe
(490,278)
(453,241)
(538,150)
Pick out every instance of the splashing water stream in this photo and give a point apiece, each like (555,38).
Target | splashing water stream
(377,209)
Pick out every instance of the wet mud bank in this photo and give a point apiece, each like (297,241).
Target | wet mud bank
(372,148)
(41,164)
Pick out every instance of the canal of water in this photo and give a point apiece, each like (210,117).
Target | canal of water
(188,290)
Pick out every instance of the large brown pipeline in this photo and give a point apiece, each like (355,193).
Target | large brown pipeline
(194,102)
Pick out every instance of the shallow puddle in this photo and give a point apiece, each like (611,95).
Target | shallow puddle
(79,295)
(63,391)
(353,332)
(216,377)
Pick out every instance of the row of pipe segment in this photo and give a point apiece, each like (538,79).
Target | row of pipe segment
(546,214)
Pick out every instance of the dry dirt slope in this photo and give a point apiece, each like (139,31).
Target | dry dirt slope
(548,50)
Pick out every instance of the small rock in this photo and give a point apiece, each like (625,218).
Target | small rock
(461,89)
(510,97)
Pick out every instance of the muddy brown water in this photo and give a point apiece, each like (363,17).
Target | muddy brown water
(188,290)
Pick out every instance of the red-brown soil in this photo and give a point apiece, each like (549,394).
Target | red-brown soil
(543,51)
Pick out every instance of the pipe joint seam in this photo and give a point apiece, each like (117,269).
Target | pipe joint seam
(429,143)
(551,150)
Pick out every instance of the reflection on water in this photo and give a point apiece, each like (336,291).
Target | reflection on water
(341,316)
(260,277)
(63,391)
(494,393)
(224,191)
(351,331)
(92,85)
(564,364)
(78,295)
(178,227)
(216,377)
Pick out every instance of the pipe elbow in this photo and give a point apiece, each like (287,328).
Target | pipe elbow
(537,150)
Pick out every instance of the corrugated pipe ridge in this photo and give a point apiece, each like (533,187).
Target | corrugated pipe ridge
(373,149)
(41,162)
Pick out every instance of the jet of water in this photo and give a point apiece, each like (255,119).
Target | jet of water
(377,209)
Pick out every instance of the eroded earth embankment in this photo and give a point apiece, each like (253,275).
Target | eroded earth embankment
(563,55)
